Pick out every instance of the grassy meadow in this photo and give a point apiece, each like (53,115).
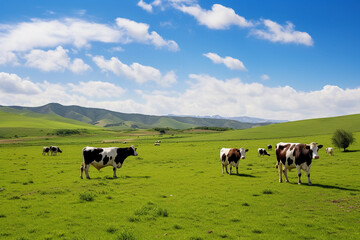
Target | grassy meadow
(177,191)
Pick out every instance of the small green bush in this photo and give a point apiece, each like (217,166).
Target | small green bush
(342,139)
(267,191)
(87,197)
(126,235)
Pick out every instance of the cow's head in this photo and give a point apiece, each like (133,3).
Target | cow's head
(314,150)
(134,150)
(242,152)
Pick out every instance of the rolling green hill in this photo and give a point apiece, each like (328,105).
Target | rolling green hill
(303,128)
(117,120)
(26,123)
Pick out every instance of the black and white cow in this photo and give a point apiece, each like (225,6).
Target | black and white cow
(296,155)
(231,156)
(55,150)
(262,152)
(46,151)
(269,147)
(102,157)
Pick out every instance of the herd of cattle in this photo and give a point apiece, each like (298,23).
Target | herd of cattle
(288,156)
(53,150)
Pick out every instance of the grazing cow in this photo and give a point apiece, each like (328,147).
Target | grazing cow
(46,151)
(102,157)
(330,151)
(231,156)
(55,150)
(157,144)
(295,155)
(262,152)
(269,147)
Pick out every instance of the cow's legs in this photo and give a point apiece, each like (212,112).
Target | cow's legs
(230,169)
(237,170)
(114,169)
(226,169)
(298,168)
(308,175)
(285,175)
(81,170)
(87,171)
(280,168)
(222,166)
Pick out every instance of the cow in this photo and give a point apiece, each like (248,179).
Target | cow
(102,157)
(157,144)
(55,150)
(46,151)
(330,151)
(296,155)
(269,147)
(262,152)
(231,156)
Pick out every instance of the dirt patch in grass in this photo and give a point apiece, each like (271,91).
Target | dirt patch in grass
(348,204)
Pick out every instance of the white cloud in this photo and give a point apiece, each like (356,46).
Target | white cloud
(205,95)
(219,17)
(40,33)
(97,89)
(8,57)
(136,71)
(54,60)
(17,91)
(13,84)
(231,63)
(23,37)
(139,32)
(78,66)
(210,96)
(274,32)
(147,7)
(265,77)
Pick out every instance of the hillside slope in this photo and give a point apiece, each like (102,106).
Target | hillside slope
(26,123)
(117,120)
(303,128)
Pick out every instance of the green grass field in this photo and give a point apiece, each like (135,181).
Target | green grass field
(177,190)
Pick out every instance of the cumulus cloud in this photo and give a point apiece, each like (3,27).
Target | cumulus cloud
(275,32)
(219,17)
(231,63)
(135,71)
(39,34)
(139,32)
(54,60)
(13,84)
(210,96)
(147,7)
(205,95)
(18,91)
(97,89)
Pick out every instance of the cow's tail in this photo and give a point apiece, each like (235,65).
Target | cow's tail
(82,166)
(83,160)
(277,152)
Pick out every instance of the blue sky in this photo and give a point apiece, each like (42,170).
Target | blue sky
(268,59)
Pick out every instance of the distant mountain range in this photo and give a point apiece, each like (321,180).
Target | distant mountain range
(122,121)
(240,119)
